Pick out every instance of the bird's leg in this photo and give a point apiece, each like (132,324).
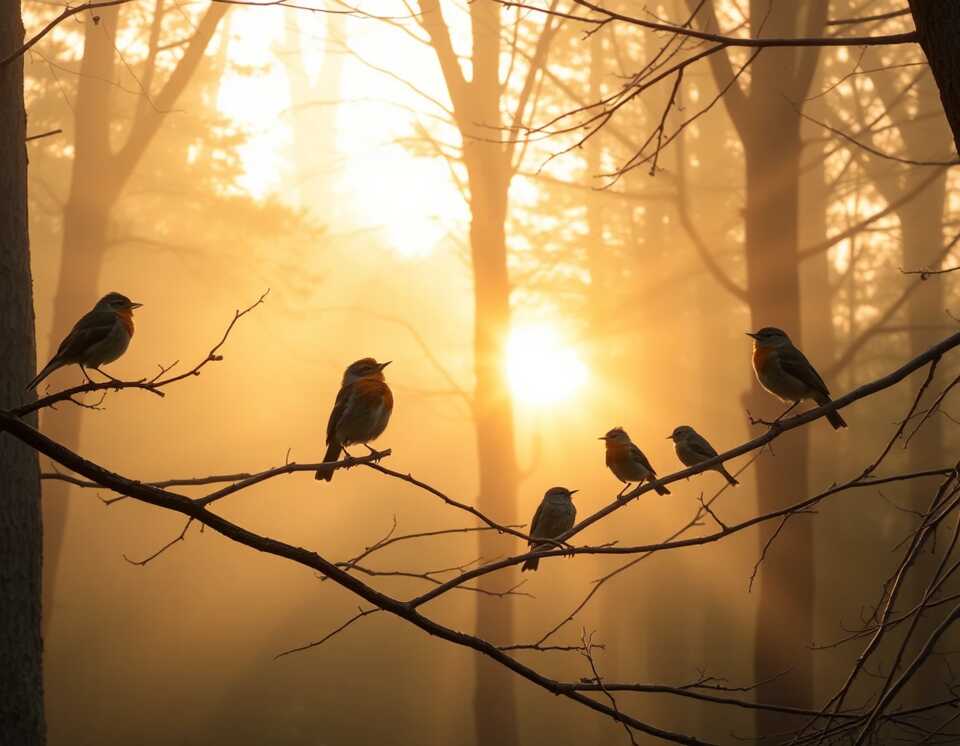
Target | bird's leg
(626,487)
(787,411)
(106,375)
(347,453)
(377,455)
(86,376)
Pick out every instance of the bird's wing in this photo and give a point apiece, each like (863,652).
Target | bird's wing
(535,523)
(92,328)
(700,445)
(339,407)
(795,363)
(554,520)
(573,517)
(637,455)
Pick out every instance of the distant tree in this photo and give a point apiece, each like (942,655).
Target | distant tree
(89,212)
(171,190)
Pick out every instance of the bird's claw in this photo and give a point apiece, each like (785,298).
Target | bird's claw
(377,455)
(106,375)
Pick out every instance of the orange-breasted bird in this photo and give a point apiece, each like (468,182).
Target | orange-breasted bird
(786,373)
(99,337)
(555,516)
(361,411)
(693,448)
(627,462)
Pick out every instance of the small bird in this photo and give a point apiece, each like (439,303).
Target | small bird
(361,411)
(99,337)
(555,516)
(627,462)
(693,448)
(786,373)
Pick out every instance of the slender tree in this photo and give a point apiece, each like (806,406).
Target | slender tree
(766,118)
(87,211)
(488,157)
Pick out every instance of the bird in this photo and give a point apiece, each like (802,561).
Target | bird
(693,448)
(555,516)
(627,462)
(361,411)
(786,373)
(99,337)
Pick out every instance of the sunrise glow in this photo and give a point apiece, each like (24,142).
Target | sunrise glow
(542,367)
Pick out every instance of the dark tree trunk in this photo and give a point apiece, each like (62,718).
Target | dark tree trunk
(785,585)
(768,124)
(21,646)
(921,223)
(922,229)
(938,24)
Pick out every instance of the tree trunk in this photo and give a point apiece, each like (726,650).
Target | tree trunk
(85,221)
(314,115)
(494,707)
(97,179)
(786,580)
(768,124)
(921,223)
(21,646)
(938,24)
(494,702)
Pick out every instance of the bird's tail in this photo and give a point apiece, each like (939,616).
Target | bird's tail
(834,417)
(333,453)
(728,476)
(531,564)
(661,490)
(47,370)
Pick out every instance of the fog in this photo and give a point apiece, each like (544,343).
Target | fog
(325,158)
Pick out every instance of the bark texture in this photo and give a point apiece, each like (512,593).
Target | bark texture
(21,647)
(938,25)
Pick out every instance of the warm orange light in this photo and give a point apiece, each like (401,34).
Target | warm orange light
(542,367)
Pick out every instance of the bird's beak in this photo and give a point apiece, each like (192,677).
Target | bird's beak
(602,437)
(573,492)
(384,365)
(135,305)
(751,334)
(670,437)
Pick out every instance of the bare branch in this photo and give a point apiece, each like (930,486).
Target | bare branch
(153,385)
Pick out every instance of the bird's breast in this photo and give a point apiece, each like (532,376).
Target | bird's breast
(126,319)
(761,357)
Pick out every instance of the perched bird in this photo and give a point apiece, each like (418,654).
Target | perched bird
(627,462)
(555,516)
(361,411)
(99,337)
(693,448)
(786,373)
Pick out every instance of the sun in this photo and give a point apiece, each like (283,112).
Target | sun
(542,368)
